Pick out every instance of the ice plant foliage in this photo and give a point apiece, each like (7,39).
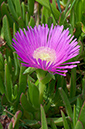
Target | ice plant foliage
(47,49)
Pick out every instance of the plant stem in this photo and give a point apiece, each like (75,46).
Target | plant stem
(40,76)
(41,90)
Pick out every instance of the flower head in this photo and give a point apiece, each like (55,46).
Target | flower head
(46,49)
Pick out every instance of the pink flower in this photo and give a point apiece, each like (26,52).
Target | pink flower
(46,49)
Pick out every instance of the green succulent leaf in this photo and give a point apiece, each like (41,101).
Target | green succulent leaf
(73,83)
(12,9)
(50,21)
(7,33)
(27,18)
(15,91)
(58,1)
(34,94)
(1,62)
(16,67)
(83,28)
(51,7)
(45,15)
(1,127)
(53,124)
(79,125)
(78,107)
(47,78)
(43,119)
(71,7)
(82,115)
(22,80)
(4,11)
(23,10)
(66,126)
(57,121)
(26,104)
(10,125)
(83,91)
(29,70)
(66,102)
(8,83)
(4,100)
(15,119)
(32,22)
(32,123)
(65,2)
(31,7)
(2,87)
(17,7)
(74,116)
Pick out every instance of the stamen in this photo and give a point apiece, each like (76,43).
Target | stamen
(45,53)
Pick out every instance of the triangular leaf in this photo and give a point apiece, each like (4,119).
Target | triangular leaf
(43,119)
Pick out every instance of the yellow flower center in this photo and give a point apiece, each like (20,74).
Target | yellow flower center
(45,53)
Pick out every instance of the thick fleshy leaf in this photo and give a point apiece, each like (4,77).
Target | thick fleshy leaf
(20,22)
(31,7)
(73,83)
(78,107)
(4,11)
(15,119)
(26,104)
(53,8)
(32,123)
(50,21)
(10,64)
(1,127)
(66,126)
(10,125)
(83,90)
(7,33)
(32,22)
(78,27)
(79,10)
(34,94)
(28,115)
(8,83)
(16,67)
(45,15)
(57,121)
(82,115)
(47,78)
(66,102)
(23,10)
(58,1)
(27,18)
(74,115)
(12,9)
(43,119)
(2,87)
(64,2)
(53,124)
(83,28)
(15,91)
(79,125)
(14,28)
(4,100)
(22,80)
(17,7)
(72,4)
(29,70)
(1,62)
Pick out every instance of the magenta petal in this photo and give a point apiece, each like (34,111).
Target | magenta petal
(56,39)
